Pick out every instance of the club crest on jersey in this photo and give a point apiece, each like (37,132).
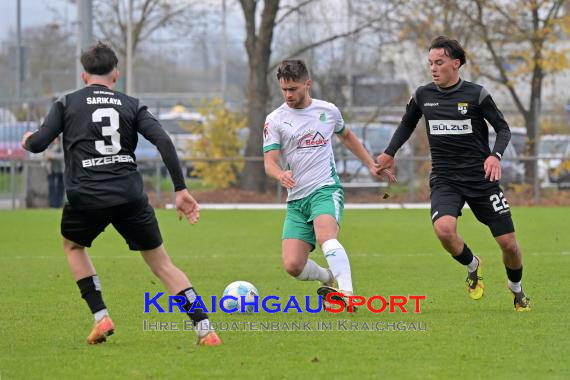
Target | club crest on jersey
(323,117)
(312,140)
(265,129)
(462,108)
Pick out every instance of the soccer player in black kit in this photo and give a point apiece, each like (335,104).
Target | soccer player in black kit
(464,169)
(99,127)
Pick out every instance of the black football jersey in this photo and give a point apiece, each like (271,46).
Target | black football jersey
(99,128)
(457,132)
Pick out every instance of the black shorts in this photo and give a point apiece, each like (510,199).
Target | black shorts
(490,208)
(135,221)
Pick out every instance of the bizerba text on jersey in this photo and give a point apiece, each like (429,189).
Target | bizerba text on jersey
(106,160)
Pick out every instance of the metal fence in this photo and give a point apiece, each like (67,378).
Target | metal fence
(23,177)
(23,182)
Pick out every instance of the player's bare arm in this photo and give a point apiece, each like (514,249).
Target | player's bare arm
(349,139)
(274,170)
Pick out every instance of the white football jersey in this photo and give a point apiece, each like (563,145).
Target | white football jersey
(304,138)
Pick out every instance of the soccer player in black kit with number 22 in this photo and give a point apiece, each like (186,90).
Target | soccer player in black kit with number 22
(99,127)
(464,169)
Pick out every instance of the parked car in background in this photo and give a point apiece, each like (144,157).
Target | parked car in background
(375,138)
(554,152)
(512,168)
(7,116)
(10,139)
(518,139)
(180,124)
(145,150)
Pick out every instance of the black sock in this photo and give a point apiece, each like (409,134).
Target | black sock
(198,314)
(514,275)
(465,257)
(91,292)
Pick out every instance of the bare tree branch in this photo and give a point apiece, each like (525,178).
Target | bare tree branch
(323,41)
(496,60)
(292,10)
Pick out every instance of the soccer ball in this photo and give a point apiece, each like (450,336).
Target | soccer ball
(237,289)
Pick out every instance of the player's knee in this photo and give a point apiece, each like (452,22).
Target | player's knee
(71,246)
(323,238)
(510,247)
(445,232)
(293,267)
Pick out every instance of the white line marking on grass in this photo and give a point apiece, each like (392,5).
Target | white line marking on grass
(283,206)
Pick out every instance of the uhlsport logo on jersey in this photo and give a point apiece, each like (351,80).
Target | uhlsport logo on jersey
(450,127)
(312,140)
(462,108)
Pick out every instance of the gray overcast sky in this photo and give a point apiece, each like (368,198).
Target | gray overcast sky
(34,12)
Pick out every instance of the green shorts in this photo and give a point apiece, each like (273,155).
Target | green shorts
(328,200)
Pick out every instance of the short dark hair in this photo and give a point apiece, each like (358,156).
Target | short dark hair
(99,59)
(452,48)
(293,69)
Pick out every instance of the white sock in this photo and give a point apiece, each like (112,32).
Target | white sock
(515,286)
(100,314)
(472,267)
(202,328)
(338,263)
(313,271)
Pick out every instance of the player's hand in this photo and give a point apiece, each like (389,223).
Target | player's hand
(385,165)
(286,179)
(186,205)
(376,172)
(25,138)
(492,168)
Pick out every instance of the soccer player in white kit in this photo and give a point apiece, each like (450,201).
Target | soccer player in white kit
(301,130)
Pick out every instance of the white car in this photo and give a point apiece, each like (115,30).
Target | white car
(553,150)
(375,138)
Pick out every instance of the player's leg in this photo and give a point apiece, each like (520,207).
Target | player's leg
(494,211)
(79,228)
(137,223)
(298,240)
(326,231)
(327,205)
(295,254)
(446,204)
(326,208)
(512,258)
(177,283)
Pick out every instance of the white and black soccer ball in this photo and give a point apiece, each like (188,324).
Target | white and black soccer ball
(238,289)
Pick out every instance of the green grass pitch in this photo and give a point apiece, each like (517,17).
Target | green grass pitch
(44,322)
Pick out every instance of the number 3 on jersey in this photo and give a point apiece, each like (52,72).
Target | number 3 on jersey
(110,130)
(499,202)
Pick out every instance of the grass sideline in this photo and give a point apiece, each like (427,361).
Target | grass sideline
(44,321)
